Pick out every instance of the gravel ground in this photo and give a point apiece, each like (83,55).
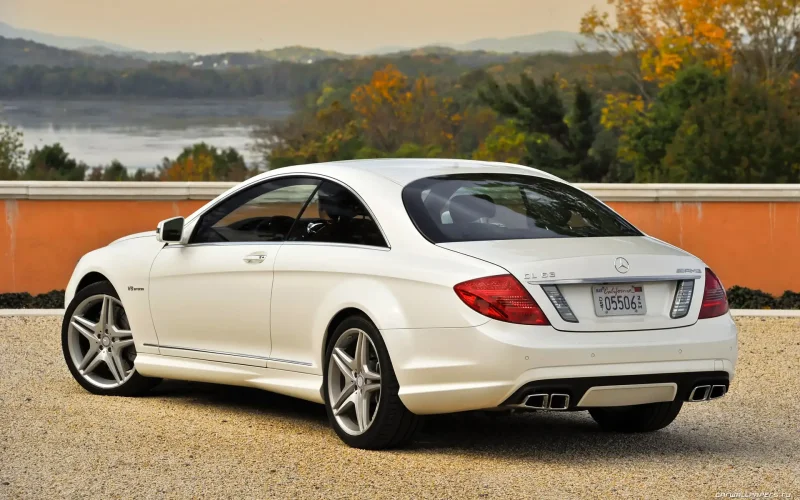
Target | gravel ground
(201,440)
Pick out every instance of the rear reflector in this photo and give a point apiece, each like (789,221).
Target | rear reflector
(502,298)
(715,302)
(683,299)
(560,303)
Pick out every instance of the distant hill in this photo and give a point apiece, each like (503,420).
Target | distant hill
(551,41)
(19,52)
(294,54)
(61,42)
(173,57)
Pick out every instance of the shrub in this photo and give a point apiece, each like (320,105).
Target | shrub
(745,298)
(23,300)
(789,300)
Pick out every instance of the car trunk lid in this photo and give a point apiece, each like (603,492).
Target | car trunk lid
(576,266)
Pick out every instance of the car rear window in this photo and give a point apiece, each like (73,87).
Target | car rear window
(480,207)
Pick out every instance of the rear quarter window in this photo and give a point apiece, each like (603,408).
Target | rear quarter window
(480,207)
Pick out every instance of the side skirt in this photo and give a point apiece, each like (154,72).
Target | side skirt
(299,385)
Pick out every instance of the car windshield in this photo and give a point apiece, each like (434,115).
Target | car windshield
(480,207)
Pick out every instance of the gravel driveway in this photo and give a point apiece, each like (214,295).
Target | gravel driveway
(201,440)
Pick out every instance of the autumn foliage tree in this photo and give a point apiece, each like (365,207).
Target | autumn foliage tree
(392,115)
(692,62)
(202,162)
(392,111)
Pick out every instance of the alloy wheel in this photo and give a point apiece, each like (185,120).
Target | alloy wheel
(354,381)
(100,342)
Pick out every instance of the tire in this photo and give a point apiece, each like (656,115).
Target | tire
(109,350)
(640,418)
(389,424)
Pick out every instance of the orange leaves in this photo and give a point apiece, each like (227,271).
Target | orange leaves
(197,167)
(667,35)
(387,86)
(393,111)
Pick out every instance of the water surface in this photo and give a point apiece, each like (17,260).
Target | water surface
(140,133)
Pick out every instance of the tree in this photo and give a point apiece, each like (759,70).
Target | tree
(143,175)
(653,39)
(556,141)
(505,143)
(202,162)
(644,139)
(582,135)
(745,135)
(329,134)
(768,37)
(392,111)
(53,163)
(114,172)
(12,152)
(390,116)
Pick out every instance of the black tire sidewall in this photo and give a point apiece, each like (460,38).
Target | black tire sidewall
(375,436)
(136,384)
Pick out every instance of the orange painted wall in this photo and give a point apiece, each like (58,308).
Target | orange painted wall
(41,241)
(753,244)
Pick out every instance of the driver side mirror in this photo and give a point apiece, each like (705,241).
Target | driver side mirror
(170,230)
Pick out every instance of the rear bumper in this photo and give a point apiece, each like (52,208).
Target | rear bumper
(444,370)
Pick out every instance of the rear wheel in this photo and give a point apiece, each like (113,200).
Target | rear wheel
(97,342)
(640,418)
(361,391)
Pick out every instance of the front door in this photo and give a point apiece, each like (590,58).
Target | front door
(210,299)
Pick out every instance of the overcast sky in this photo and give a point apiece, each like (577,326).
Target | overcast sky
(344,25)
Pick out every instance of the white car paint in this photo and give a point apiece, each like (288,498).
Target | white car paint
(200,312)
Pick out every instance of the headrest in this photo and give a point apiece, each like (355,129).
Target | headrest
(471,207)
(338,203)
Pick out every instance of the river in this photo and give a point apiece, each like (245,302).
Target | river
(140,133)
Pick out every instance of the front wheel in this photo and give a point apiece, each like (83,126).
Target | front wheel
(361,390)
(639,418)
(97,342)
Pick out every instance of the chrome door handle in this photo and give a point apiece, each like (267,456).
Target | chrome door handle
(255,257)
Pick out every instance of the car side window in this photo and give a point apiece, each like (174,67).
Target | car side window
(336,215)
(264,212)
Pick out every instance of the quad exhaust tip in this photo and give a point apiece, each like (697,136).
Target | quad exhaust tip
(707,392)
(553,402)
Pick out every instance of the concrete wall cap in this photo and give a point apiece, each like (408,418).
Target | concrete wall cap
(144,191)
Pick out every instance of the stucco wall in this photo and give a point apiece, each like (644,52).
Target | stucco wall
(749,235)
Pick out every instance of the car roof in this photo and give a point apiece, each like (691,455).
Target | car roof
(402,171)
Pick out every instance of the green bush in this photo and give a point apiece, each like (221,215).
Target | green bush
(746,298)
(50,300)
(789,300)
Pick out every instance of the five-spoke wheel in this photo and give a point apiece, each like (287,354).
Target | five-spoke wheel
(354,381)
(98,343)
(361,390)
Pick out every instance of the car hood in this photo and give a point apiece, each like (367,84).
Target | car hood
(144,234)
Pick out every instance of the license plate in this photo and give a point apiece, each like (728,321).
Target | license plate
(619,300)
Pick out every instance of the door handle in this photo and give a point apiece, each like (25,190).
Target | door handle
(255,257)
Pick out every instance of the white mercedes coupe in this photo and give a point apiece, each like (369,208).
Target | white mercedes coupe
(390,289)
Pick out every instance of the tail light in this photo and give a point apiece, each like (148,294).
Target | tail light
(715,302)
(502,298)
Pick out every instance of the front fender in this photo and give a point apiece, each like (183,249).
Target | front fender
(126,265)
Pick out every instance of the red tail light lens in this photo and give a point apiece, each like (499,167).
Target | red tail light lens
(502,298)
(715,302)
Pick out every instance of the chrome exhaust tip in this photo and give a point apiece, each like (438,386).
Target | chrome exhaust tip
(700,393)
(717,391)
(558,402)
(537,401)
